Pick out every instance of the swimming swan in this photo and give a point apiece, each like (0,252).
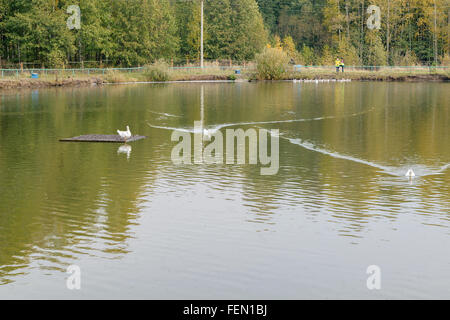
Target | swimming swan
(206,133)
(410,173)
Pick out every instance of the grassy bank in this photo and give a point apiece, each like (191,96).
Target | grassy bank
(373,75)
(23,80)
(68,78)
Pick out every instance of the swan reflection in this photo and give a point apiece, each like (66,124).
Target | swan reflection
(126,149)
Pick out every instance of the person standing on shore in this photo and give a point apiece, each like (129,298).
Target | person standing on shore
(337,63)
(341,64)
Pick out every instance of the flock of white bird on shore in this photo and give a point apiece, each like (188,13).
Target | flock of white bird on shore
(321,80)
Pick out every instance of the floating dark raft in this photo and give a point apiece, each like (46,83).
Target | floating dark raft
(101,138)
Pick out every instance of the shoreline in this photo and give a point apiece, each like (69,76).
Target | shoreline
(98,81)
(41,83)
(386,78)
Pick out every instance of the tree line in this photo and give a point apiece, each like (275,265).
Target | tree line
(137,32)
(410,32)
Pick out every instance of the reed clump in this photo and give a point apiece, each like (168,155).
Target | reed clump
(157,71)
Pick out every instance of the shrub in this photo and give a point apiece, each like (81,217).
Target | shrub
(307,56)
(404,59)
(328,58)
(272,64)
(158,71)
(113,76)
(347,51)
(288,46)
(55,59)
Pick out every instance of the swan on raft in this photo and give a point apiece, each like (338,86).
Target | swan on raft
(125,134)
(410,173)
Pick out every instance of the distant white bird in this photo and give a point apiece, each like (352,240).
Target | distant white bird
(125,134)
(206,133)
(410,173)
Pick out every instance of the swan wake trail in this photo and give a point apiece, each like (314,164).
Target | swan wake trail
(391,170)
(165,114)
(394,171)
(312,147)
(226,125)
(171,128)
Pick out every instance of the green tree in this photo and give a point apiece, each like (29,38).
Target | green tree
(235,29)
(137,32)
(334,19)
(248,33)
(347,51)
(327,58)
(288,46)
(218,26)
(188,18)
(375,53)
(38,32)
(93,41)
(142,31)
(307,55)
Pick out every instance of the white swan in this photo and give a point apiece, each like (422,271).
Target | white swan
(410,173)
(207,133)
(125,134)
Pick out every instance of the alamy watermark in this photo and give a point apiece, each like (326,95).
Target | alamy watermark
(208,147)
(73,282)
(374,20)
(74,21)
(374,280)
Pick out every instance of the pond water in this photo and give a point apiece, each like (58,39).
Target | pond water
(140,226)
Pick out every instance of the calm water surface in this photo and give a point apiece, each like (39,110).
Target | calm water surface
(141,227)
